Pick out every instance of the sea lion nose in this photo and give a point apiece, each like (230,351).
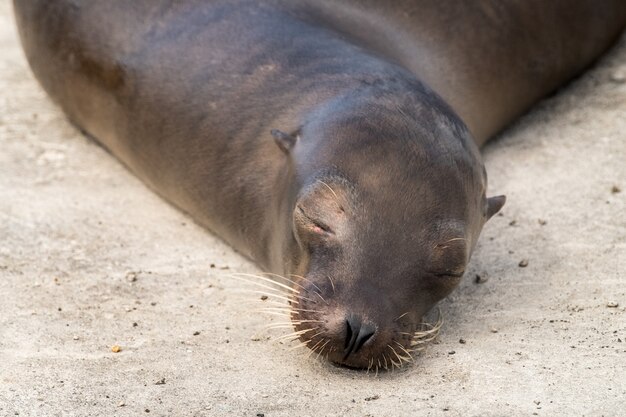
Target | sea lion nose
(357,333)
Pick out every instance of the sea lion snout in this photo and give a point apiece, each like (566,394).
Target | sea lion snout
(353,334)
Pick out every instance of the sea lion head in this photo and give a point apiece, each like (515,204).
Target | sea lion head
(390,205)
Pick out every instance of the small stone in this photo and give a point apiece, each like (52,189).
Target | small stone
(212,266)
(452,352)
(147,410)
(135,324)
(480,279)
(462,341)
(116,349)
(493,330)
(160,382)
(75,338)
(196,333)
(615,189)
(542,222)
(122,404)
(512,222)
(372,398)
(260,415)
(131,276)
(612,304)
(523,263)
(263,297)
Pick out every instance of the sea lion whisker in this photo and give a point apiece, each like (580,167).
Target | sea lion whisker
(400,316)
(369,366)
(314,347)
(306,309)
(308,280)
(397,356)
(285,278)
(307,321)
(321,349)
(287,325)
(242,276)
(294,333)
(301,345)
(273,313)
(332,284)
(279,297)
(282,307)
(272,290)
(332,191)
(410,358)
(320,296)
(316,334)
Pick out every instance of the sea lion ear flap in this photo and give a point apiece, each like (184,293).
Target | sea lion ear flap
(284,140)
(494,204)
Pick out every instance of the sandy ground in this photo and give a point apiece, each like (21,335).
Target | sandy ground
(90,258)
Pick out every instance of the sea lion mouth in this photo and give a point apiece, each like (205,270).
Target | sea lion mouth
(329,331)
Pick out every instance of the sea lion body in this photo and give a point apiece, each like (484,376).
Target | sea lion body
(375,195)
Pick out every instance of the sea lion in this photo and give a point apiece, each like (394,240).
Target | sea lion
(335,143)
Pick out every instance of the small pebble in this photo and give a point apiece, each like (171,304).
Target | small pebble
(452,352)
(75,338)
(264,297)
(479,279)
(196,333)
(493,330)
(116,349)
(160,382)
(612,304)
(372,398)
(122,404)
(542,222)
(615,189)
(462,341)
(523,263)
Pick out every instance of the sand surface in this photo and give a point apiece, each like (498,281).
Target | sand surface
(90,258)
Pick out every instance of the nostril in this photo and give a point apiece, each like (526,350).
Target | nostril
(351,333)
(366,332)
(357,333)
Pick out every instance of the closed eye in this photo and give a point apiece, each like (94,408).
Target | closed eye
(315,223)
